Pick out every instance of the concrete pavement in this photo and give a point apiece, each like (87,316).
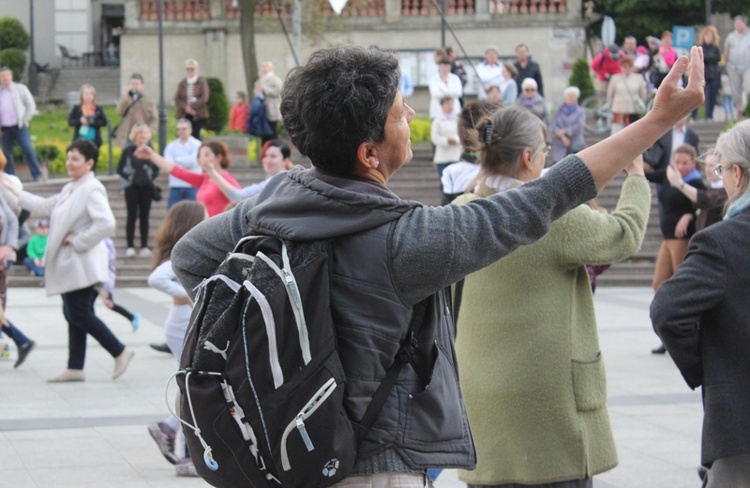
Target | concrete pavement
(93,434)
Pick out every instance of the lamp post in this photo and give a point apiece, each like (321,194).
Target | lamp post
(442,25)
(162,108)
(32,60)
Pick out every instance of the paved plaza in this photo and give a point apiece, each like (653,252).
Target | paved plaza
(93,434)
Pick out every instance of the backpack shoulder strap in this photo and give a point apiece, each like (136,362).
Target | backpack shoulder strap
(403,357)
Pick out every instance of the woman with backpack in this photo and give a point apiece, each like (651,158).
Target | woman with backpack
(391,262)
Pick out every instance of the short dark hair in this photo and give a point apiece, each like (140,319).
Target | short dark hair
(86,148)
(339,99)
(286,151)
(136,76)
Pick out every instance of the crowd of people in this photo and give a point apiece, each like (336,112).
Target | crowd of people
(490,155)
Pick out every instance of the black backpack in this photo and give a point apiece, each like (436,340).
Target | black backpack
(261,382)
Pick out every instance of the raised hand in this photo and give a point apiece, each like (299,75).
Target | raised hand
(672,103)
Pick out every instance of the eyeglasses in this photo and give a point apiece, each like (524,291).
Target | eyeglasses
(190,69)
(719,169)
(547,150)
(529,89)
(182,128)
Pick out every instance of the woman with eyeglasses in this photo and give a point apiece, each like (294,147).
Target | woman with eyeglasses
(532,372)
(531,100)
(701,315)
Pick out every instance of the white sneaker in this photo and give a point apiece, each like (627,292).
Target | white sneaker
(130,252)
(145,252)
(122,361)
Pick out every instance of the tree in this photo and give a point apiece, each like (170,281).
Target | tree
(13,34)
(218,106)
(581,78)
(247,42)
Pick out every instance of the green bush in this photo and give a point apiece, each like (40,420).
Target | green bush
(47,152)
(420,130)
(746,112)
(253,150)
(15,59)
(581,77)
(218,106)
(13,34)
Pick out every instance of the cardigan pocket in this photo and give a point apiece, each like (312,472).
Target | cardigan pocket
(589,383)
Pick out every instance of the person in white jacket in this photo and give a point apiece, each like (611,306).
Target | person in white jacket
(76,259)
(444,135)
(445,84)
(182,217)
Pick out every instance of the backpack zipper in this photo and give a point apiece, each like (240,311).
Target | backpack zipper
(299,421)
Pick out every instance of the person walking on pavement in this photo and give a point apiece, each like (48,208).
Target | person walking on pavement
(17,107)
(135,108)
(76,258)
(191,98)
(8,247)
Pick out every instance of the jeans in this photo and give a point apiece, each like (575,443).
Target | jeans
(78,309)
(29,263)
(138,204)
(712,94)
(15,335)
(178,194)
(23,137)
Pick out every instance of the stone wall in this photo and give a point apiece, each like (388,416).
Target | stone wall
(555,40)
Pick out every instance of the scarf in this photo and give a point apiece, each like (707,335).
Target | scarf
(88,110)
(569,109)
(528,103)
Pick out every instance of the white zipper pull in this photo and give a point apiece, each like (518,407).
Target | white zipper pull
(305,436)
(292,287)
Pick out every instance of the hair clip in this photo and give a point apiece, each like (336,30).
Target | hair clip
(488,133)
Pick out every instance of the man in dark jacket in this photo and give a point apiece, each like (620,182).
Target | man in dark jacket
(527,68)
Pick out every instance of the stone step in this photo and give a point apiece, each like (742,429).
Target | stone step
(105,80)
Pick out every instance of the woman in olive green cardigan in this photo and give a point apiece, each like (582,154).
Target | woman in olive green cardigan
(531,366)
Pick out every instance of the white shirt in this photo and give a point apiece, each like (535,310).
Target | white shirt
(489,75)
(441,89)
(184,155)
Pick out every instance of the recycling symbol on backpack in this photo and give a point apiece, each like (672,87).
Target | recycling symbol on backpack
(329,469)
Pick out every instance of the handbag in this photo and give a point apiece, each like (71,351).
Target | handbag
(156,195)
(640,105)
(87,132)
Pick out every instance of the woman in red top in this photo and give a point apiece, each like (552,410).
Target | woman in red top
(212,152)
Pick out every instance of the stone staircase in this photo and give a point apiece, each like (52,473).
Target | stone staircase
(415,181)
(69,79)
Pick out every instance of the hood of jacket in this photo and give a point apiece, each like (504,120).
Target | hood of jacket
(308,204)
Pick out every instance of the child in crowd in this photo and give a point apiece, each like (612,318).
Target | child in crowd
(35,248)
(238,115)
(106,290)
(182,217)
(444,135)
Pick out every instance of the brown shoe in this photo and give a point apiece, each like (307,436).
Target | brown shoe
(122,361)
(67,376)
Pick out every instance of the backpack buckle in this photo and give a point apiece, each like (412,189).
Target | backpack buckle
(408,348)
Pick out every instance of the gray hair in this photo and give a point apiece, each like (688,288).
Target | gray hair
(185,121)
(504,137)
(529,82)
(733,148)
(574,90)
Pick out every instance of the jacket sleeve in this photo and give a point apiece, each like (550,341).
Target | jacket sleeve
(12,222)
(591,237)
(164,279)
(538,78)
(28,100)
(201,102)
(271,86)
(123,104)
(102,221)
(698,286)
(74,118)
(100,118)
(433,247)
(40,206)
(122,163)
(179,95)
(435,136)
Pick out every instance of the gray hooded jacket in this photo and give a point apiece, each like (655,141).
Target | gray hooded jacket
(390,254)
